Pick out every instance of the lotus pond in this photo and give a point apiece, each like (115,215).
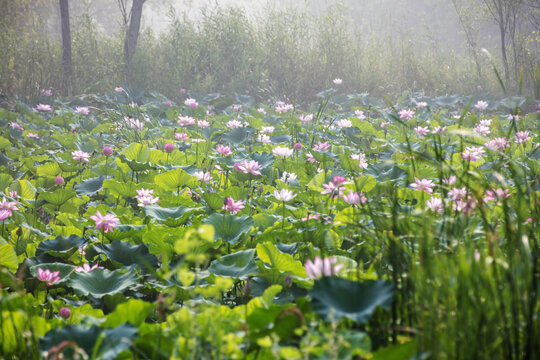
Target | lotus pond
(217,228)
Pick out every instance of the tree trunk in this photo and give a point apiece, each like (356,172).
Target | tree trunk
(67,65)
(132,35)
(502,28)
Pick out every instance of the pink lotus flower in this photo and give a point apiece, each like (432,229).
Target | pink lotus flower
(435,204)
(288,177)
(362,162)
(322,267)
(262,138)
(337,81)
(203,124)
(59,181)
(248,167)
(360,114)
(233,206)
(421,104)
(234,124)
(146,197)
(451,180)
(202,176)
(169,148)
(497,194)
(118,89)
(134,123)
(321,146)
(81,156)
(8,206)
(354,198)
(423,184)
(43,108)
(47,276)
(262,111)
(499,143)
(284,195)
(87,268)
(522,137)
(406,114)
(182,91)
(472,153)
(267,129)
(282,151)
(335,187)
(223,150)
(64,313)
(168,103)
(482,130)
(384,124)
(192,103)
(186,120)
(422,131)
(298,146)
(16,126)
(237,107)
(83,110)
(13,193)
(465,206)
(4,214)
(344,123)
(311,217)
(481,105)
(107,222)
(439,130)
(457,193)
(306,118)
(311,158)
(282,108)
(107,151)
(181,136)
(45,92)
(32,135)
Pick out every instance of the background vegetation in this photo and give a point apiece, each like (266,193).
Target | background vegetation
(280,52)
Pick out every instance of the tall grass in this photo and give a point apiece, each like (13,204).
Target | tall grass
(280,54)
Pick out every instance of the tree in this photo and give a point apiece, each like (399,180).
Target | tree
(67,64)
(132,34)
(468,20)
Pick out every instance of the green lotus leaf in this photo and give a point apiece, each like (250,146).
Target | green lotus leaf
(100,282)
(110,342)
(124,231)
(174,216)
(58,197)
(213,200)
(122,253)
(334,298)
(8,257)
(49,169)
(65,270)
(229,228)
(132,311)
(237,136)
(137,152)
(62,247)
(90,186)
(175,179)
(5,181)
(238,265)
(26,190)
(120,188)
(269,254)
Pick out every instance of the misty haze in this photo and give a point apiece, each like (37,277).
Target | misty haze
(288,179)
